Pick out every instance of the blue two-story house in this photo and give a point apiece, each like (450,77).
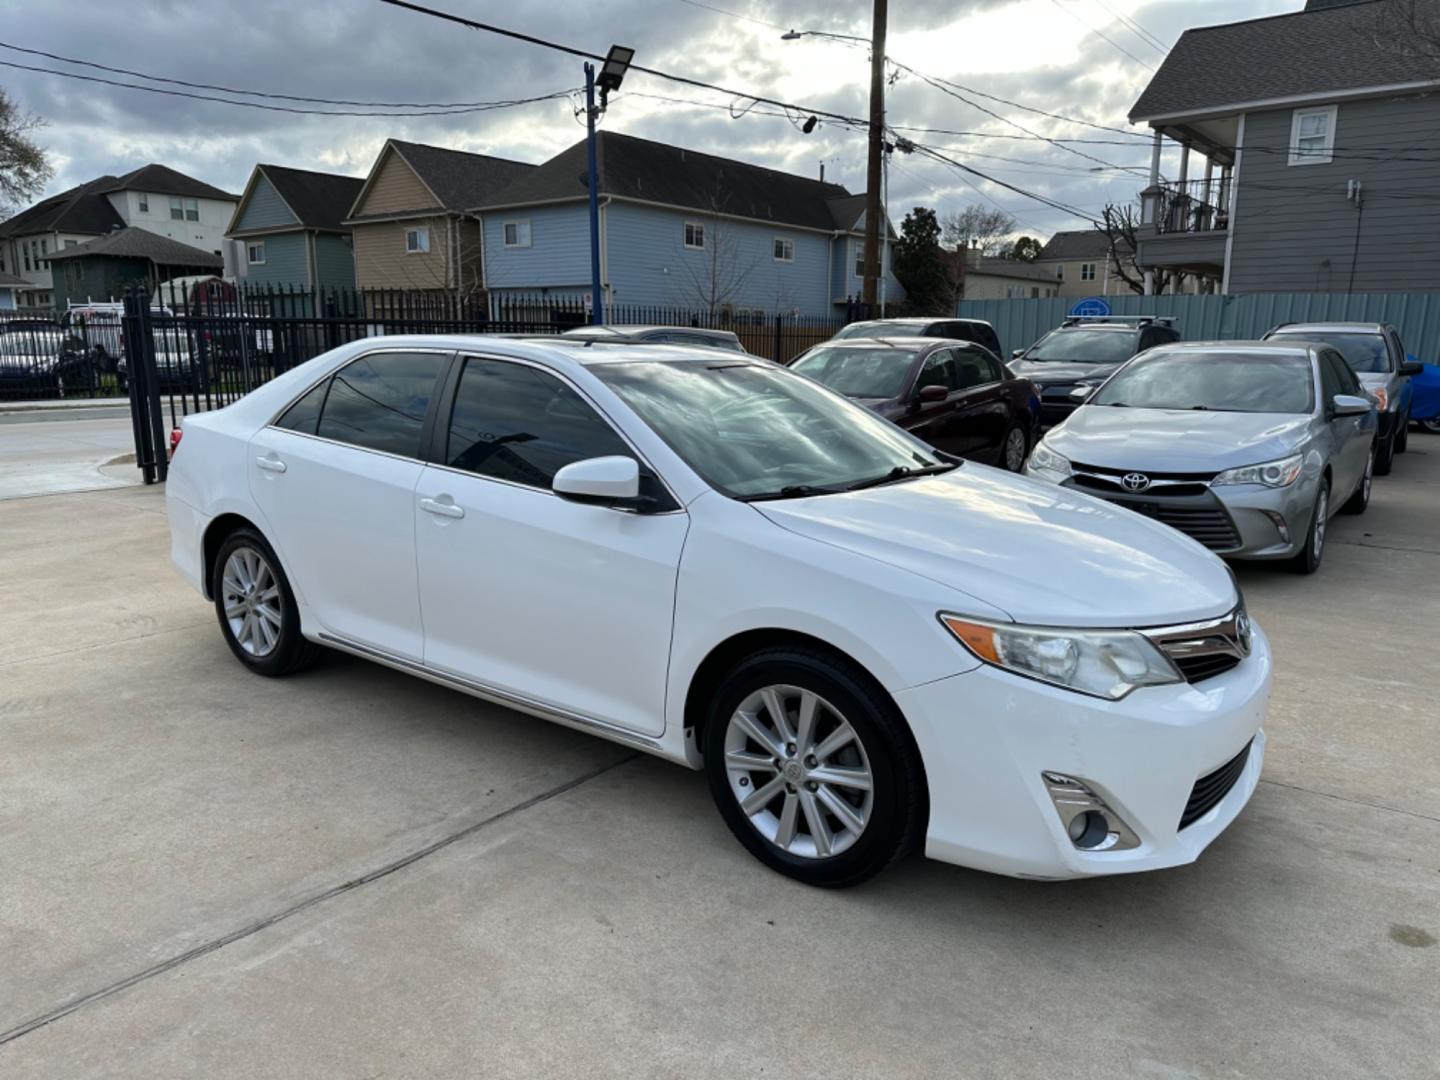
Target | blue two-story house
(678,229)
(291,223)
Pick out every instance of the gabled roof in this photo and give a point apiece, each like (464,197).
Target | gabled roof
(318,200)
(847,211)
(1010,268)
(137,243)
(631,168)
(10,281)
(163,180)
(1080,244)
(81,209)
(458,180)
(1318,51)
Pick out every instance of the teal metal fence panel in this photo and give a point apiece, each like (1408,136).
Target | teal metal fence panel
(1213,318)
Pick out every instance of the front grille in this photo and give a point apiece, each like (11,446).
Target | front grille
(1213,528)
(1105,470)
(1104,485)
(1199,668)
(1213,787)
(1204,650)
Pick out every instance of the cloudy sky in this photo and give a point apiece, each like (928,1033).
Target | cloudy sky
(1087,59)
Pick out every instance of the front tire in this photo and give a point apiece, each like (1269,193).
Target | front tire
(1307,561)
(1402,434)
(256,607)
(1386,457)
(812,767)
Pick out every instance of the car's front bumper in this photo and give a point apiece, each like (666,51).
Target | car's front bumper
(987,737)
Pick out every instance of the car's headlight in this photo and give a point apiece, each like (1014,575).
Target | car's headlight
(1042,457)
(1103,663)
(1382,398)
(1275,474)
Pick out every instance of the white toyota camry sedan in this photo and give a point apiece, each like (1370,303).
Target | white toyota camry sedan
(866,645)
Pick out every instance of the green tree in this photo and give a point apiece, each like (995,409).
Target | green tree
(920,266)
(24,166)
(1024,249)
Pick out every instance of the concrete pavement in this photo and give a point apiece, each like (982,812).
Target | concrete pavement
(45,451)
(354,873)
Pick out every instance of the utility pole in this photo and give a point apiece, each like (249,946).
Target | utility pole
(873,206)
(597,304)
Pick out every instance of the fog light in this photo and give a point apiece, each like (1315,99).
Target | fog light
(1278,520)
(1089,822)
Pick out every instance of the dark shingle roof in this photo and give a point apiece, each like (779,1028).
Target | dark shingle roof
(136,243)
(460,180)
(1011,268)
(657,172)
(1315,51)
(163,180)
(847,210)
(319,200)
(81,209)
(8,281)
(1079,244)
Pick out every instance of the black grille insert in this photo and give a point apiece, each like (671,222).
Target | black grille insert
(1206,666)
(1213,787)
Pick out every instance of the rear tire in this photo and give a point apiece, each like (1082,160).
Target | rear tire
(1307,561)
(1357,502)
(1014,448)
(256,607)
(847,785)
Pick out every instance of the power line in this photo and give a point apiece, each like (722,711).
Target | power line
(1101,34)
(1136,29)
(733,14)
(247,93)
(283,108)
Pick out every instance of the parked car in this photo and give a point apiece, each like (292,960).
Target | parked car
(976,330)
(659,335)
(1374,353)
(38,359)
(1247,447)
(1077,356)
(958,397)
(865,645)
(1425,402)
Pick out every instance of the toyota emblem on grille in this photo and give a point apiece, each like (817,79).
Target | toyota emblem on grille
(1242,633)
(1135,481)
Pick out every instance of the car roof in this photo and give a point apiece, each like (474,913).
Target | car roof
(918,320)
(1291,347)
(627,330)
(1302,327)
(555,350)
(913,344)
(1099,326)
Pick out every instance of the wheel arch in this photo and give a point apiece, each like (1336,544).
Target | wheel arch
(215,533)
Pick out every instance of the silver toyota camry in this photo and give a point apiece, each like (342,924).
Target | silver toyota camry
(1248,447)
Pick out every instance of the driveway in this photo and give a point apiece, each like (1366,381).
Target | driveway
(355,873)
(52,448)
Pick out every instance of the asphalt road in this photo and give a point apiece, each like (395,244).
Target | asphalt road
(355,873)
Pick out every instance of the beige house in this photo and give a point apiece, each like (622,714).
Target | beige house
(410,226)
(1082,264)
(987,278)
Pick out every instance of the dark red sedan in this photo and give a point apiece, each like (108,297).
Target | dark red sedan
(957,396)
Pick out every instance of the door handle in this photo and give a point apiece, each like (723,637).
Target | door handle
(270,464)
(443,509)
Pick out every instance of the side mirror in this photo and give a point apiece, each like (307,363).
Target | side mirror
(1350,405)
(1016,354)
(1082,393)
(929,395)
(603,481)
(1412,367)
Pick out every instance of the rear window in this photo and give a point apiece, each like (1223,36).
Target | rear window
(1255,382)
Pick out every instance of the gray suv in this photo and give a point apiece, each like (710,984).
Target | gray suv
(1374,353)
(1070,361)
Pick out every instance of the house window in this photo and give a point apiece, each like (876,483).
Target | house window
(68,244)
(1014,292)
(1312,136)
(192,209)
(694,234)
(417,241)
(143,203)
(784,250)
(177,208)
(1087,271)
(255,253)
(1060,272)
(517,234)
(859,260)
(25,251)
(44,247)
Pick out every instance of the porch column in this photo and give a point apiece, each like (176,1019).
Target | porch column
(1150,200)
(1184,163)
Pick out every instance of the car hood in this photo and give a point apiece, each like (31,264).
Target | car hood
(1058,371)
(1043,554)
(1175,440)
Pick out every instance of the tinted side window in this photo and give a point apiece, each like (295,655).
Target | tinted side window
(379,401)
(515,423)
(1330,383)
(974,368)
(304,415)
(986,336)
(939,370)
(1344,375)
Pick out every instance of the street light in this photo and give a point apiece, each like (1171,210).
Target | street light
(612,73)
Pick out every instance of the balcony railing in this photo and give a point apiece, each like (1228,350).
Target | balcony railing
(1195,206)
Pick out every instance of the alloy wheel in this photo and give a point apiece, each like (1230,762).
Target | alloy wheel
(250,594)
(799,771)
(1369,474)
(1322,508)
(1015,450)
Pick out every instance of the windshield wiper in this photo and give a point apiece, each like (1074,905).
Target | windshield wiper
(902,472)
(792,491)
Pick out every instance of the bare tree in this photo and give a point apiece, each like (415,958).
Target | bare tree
(976,226)
(24,166)
(719,272)
(1119,224)
(1410,28)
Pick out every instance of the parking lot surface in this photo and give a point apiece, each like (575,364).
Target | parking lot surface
(356,873)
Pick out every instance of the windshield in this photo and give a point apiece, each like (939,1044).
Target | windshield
(1362,351)
(763,432)
(857,372)
(1084,346)
(881,328)
(1252,382)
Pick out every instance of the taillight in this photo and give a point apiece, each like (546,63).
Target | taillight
(175,434)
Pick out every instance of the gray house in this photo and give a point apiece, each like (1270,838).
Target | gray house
(291,222)
(1308,161)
